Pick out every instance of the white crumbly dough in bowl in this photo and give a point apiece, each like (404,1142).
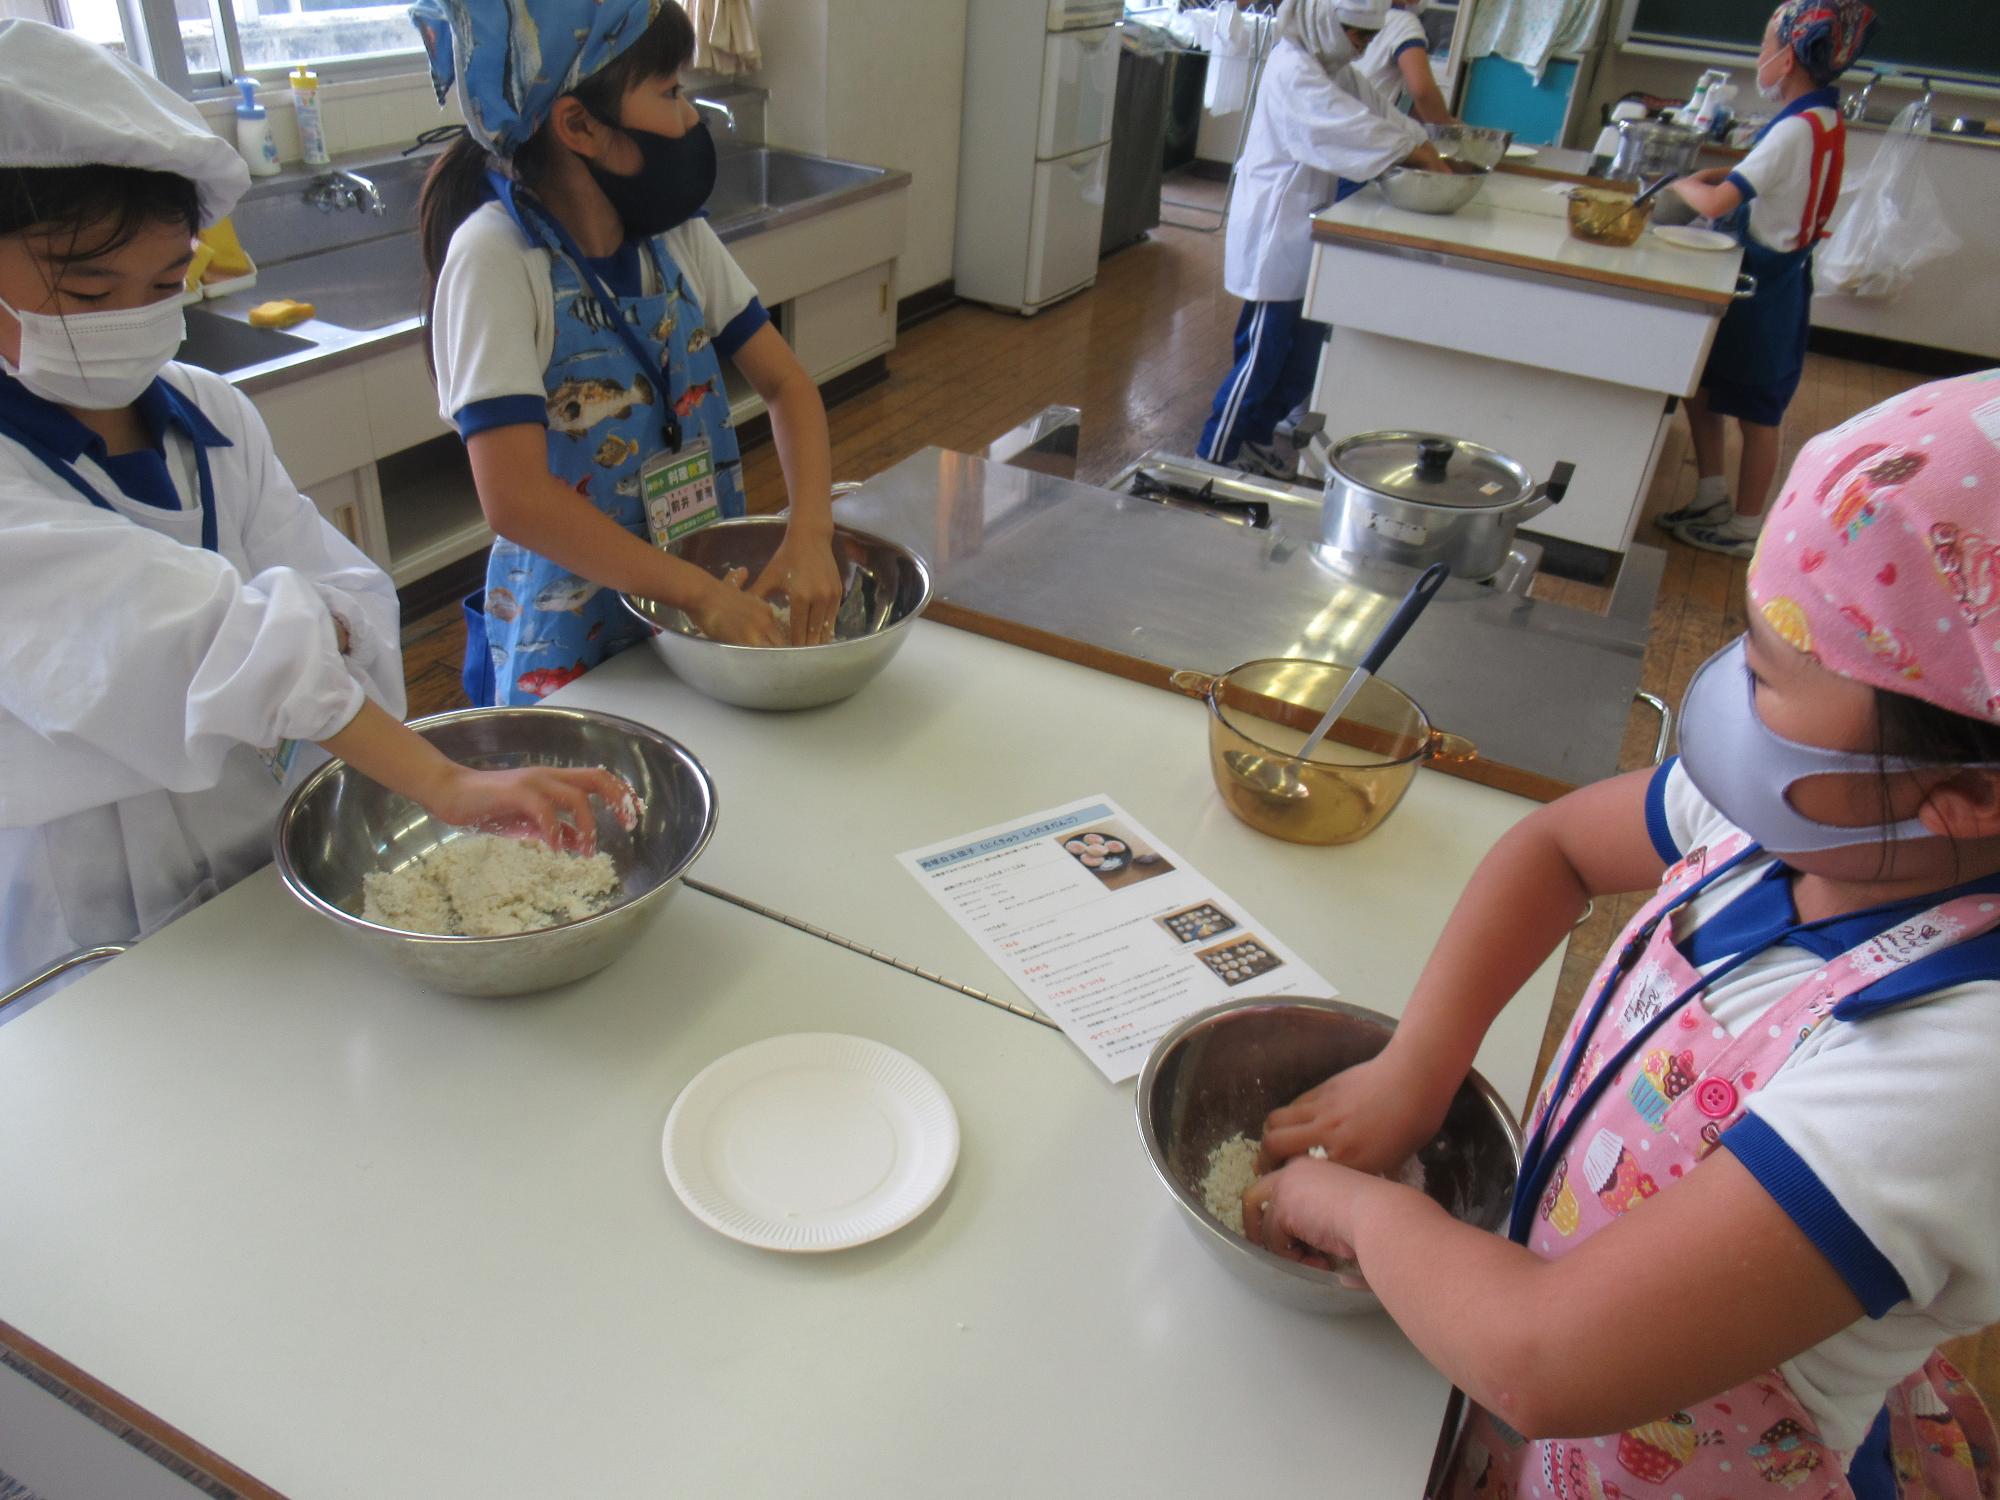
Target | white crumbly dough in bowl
(1232,1167)
(486,886)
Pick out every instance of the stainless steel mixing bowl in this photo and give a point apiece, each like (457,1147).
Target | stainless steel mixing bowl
(1475,145)
(1222,1071)
(1430,192)
(339,826)
(885,588)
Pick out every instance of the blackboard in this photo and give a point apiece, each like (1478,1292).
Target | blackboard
(1950,37)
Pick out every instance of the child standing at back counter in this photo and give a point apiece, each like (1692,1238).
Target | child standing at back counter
(578,306)
(1759,1187)
(1776,202)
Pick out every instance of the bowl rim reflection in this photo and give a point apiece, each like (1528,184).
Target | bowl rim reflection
(1427,732)
(296,882)
(645,610)
(1171,1039)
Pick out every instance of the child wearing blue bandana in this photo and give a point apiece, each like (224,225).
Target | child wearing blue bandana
(579,305)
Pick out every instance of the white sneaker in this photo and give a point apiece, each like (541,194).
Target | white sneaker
(1706,512)
(1265,461)
(1731,537)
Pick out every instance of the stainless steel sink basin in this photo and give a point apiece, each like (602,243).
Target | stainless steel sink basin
(363,273)
(755,185)
(364,286)
(224,344)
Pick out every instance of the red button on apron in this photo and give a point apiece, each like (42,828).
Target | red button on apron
(1715,1097)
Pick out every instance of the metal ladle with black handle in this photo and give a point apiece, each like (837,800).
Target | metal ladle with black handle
(1281,778)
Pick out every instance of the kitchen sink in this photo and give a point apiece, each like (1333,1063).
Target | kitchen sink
(223,344)
(754,183)
(364,272)
(362,287)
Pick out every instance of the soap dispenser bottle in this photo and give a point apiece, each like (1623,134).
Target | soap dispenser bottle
(253,132)
(305,104)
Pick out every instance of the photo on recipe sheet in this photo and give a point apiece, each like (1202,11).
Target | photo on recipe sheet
(1115,855)
(1105,929)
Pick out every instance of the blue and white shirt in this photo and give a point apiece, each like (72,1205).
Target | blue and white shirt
(493,328)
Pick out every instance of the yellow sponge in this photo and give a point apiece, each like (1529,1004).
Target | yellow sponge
(282,313)
(230,259)
(204,256)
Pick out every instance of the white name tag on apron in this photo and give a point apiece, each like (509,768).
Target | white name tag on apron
(679,490)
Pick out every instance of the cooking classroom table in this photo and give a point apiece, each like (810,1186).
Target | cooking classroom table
(356,1237)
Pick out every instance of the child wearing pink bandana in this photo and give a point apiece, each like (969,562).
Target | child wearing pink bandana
(1758,1187)
(1776,203)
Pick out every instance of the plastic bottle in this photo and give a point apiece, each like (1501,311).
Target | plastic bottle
(253,132)
(1717,92)
(1720,106)
(305,105)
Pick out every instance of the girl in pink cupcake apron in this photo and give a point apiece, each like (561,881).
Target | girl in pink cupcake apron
(1646,1086)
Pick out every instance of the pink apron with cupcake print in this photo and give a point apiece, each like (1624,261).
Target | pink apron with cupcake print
(1677,1095)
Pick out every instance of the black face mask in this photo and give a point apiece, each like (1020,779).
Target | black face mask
(675,177)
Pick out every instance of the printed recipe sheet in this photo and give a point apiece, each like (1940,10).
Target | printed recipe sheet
(1110,932)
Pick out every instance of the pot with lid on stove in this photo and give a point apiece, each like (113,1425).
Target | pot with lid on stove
(1418,498)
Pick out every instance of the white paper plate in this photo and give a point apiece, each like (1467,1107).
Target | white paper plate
(813,1141)
(1519,152)
(1687,237)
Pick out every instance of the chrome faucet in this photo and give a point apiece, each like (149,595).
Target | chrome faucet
(716,106)
(1856,107)
(337,190)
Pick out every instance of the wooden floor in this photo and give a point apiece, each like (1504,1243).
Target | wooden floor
(1141,354)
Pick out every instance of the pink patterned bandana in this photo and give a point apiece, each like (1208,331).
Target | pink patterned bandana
(1882,555)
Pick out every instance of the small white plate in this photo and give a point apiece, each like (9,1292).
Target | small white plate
(1518,152)
(808,1142)
(1687,237)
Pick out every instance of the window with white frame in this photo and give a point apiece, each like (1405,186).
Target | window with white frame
(199,45)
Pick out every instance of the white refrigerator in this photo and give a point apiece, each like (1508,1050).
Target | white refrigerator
(1040,80)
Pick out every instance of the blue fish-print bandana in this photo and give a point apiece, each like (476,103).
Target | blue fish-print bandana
(512,59)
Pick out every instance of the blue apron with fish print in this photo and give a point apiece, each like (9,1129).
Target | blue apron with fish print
(536,625)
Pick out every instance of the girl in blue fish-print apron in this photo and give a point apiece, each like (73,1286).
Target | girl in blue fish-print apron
(580,307)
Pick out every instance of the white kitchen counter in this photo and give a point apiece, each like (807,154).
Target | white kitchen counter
(1493,324)
(361,1238)
(1519,220)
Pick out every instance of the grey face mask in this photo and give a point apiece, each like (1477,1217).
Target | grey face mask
(1747,771)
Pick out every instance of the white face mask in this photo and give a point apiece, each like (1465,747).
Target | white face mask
(96,360)
(1773,92)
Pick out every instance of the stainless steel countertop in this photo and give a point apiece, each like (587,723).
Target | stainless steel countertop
(1537,686)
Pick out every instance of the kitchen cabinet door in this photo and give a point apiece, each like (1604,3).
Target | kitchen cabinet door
(1079,87)
(1066,224)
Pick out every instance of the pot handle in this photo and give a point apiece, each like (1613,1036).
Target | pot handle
(847,487)
(55,971)
(1746,286)
(1450,749)
(1654,701)
(1548,492)
(1191,684)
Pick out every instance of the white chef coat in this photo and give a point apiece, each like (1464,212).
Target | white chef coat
(139,674)
(1309,128)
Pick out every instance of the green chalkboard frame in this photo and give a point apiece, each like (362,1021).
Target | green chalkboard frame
(1949,48)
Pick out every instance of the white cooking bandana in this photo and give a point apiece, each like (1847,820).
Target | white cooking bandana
(70,103)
